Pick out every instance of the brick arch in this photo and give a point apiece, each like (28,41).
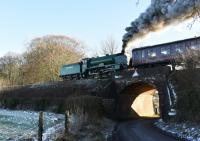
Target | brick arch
(138,87)
(129,93)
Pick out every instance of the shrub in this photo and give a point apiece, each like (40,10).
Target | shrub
(187,87)
(91,105)
(190,59)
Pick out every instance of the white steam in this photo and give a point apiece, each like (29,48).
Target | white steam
(160,14)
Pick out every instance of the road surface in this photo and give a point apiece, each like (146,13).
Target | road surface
(139,130)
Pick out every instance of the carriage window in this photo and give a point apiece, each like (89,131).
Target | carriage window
(165,51)
(179,50)
(193,45)
(143,54)
(151,53)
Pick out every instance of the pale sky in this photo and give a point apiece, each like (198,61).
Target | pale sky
(90,21)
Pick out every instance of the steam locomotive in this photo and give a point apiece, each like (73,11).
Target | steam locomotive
(99,67)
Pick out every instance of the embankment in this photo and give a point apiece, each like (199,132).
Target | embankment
(55,96)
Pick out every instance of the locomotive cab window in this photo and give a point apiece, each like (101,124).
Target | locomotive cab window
(151,53)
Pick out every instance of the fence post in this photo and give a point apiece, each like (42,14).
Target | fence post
(66,123)
(40,126)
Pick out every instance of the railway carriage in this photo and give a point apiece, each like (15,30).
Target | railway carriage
(162,53)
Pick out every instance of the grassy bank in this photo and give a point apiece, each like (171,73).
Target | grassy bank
(96,130)
(50,96)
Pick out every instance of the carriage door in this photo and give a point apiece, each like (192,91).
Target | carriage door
(136,57)
(143,56)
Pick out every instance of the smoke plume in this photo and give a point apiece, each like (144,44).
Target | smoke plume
(160,14)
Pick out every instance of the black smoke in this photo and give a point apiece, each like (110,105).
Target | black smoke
(158,15)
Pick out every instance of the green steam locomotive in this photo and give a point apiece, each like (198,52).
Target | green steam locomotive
(99,67)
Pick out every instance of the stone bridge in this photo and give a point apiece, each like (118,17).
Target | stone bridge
(125,90)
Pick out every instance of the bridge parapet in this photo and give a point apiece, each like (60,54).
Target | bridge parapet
(153,76)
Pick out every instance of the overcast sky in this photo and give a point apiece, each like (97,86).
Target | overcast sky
(88,20)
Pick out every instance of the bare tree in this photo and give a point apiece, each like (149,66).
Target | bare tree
(109,46)
(9,68)
(47,54)
(190,59)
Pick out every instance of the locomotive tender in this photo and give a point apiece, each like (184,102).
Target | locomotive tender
(162,54)
(94,67)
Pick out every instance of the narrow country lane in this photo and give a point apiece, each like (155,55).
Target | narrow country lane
(139,130)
